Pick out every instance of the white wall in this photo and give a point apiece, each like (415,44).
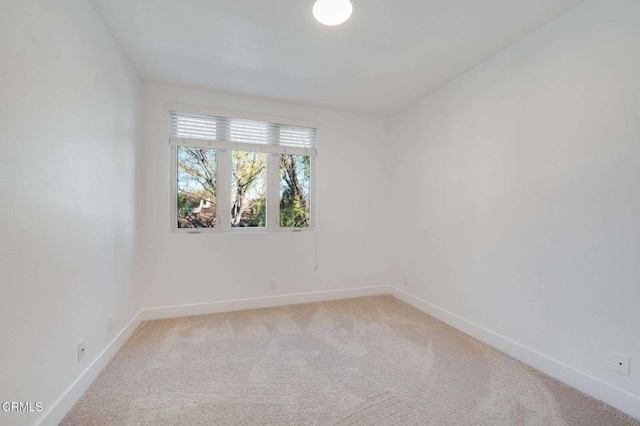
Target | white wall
(68,106)
(514,197)
(352,184)
(520,191)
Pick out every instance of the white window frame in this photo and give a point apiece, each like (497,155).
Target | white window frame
(223,179)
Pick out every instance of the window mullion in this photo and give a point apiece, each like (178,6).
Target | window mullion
(224,175)
(273,191)
(273,181)
(224,189)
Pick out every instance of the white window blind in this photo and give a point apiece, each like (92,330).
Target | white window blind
(241,134)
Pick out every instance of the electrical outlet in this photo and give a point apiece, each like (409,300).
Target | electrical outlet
(81,349)
(110,324)
(405,280)
(621,364)
(274,285)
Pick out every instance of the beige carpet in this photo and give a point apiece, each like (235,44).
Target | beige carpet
(372,360)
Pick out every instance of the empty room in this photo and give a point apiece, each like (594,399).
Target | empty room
(319,212)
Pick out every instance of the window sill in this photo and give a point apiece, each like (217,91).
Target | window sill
(242,231)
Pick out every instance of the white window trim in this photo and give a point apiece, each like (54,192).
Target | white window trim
(223,181)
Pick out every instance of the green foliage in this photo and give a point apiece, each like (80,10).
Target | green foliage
(248,189)
(294,190)
(185,207)
(257,213)
(292,213)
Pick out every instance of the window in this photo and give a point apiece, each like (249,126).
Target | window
(248,189)
(295,190)
(261,171)
(196,187)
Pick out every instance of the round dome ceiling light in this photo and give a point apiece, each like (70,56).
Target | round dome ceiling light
(332,12)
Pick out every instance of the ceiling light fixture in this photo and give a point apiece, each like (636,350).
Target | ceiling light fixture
(332,12)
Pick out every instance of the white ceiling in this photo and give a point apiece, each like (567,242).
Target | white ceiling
(388,55)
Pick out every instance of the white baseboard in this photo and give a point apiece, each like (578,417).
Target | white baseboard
(258,302)
(616,397)
(59,409)
(592,386)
